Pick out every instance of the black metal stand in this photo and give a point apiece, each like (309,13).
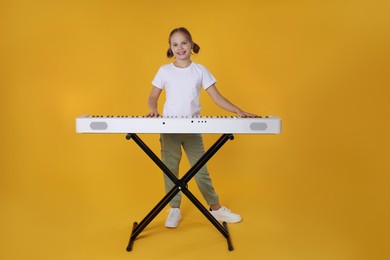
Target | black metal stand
(180,185)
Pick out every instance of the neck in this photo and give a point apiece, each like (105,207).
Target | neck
(182,63)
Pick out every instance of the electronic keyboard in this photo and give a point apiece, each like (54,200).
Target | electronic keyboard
(176,125)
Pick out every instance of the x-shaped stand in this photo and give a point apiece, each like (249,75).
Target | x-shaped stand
(180,185)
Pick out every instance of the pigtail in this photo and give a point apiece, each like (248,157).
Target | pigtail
(195,48)
(169,53)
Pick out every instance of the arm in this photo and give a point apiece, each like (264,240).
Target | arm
(152,102)
(226,104)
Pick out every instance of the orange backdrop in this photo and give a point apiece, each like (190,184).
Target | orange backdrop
(320,190)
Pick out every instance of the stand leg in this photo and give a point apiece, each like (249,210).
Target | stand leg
(137,229)
(152,156)
(221,228)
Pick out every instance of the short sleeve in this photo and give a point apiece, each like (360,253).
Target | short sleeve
(158,80)
(207,79)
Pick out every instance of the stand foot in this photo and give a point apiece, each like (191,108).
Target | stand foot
(229,241)
(131,241)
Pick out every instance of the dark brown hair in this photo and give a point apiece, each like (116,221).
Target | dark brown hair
(195,47)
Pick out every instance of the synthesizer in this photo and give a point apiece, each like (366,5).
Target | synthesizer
(175,125)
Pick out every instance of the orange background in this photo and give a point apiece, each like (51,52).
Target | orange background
(320,190)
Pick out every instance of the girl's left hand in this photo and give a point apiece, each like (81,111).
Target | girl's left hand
(246,114)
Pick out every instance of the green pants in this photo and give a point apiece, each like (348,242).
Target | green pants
(171,154)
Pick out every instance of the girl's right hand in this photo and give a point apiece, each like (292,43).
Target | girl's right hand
(153,114)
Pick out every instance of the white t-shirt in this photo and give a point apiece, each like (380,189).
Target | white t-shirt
(182,87)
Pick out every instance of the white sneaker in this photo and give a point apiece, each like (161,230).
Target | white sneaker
(173,218)
(225,215)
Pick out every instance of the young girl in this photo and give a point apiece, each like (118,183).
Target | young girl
(182,81)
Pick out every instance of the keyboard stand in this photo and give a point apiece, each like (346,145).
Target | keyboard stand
(180,185)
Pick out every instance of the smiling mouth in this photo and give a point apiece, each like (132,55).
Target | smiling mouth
(181,52)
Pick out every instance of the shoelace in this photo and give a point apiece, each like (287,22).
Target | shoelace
(226,209)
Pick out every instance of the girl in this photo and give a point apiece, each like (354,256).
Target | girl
(182,81)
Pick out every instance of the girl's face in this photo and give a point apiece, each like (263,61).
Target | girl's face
(181,46)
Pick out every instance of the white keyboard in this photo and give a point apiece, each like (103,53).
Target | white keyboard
(184,125)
